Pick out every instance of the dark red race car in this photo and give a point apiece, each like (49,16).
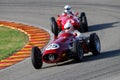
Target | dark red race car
(79,22)
(65,47)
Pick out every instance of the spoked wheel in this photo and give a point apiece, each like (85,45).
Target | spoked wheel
(54,27)
(95,45)
(36,57)
(83,22)
(77,51)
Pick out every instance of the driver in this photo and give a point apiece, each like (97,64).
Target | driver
(67,10)
(68,28)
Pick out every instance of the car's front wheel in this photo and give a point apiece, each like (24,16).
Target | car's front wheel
(83,22)
(36,57)
(54,26)
(77,51)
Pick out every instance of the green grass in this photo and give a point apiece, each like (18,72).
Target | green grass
(11,41)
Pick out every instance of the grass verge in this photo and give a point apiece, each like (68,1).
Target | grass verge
(11,41)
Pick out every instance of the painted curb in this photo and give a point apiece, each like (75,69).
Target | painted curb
(37,37)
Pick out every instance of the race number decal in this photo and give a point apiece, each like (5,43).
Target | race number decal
(52,46)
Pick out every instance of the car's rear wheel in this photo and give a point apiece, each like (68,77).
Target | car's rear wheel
(95,45)
(54,27)
(36,57)
(83,22)
(77,51)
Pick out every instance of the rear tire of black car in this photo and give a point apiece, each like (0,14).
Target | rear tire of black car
(54,26)
(83,22)
(77,51)
(95,45)
(36,57)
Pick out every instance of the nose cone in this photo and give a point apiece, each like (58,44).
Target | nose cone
(50,57)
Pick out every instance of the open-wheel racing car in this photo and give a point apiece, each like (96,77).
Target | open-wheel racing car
(65,47)
(79,22)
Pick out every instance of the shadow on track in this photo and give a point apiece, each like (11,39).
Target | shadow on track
(69,62)
(103,55)
(102,26)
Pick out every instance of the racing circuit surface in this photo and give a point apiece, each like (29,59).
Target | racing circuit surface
(103,18)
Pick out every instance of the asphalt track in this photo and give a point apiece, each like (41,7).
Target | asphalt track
(103,18)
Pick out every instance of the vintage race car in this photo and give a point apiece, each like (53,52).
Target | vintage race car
(79,22)
(66,46)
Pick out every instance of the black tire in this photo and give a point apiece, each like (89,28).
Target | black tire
(77,51)
(95,45)
(36,57)
(54,27)
(83,22)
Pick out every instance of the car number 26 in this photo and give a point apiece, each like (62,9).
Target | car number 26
(52,46)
